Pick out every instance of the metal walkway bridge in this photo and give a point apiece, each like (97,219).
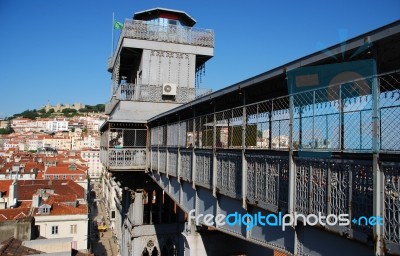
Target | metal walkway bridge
(342,161)
(315,137)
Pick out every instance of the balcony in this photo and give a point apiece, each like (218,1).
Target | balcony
(138,29)
(153,93)
(123,149)
(142,30)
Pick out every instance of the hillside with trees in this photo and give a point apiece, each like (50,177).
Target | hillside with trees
(67,112)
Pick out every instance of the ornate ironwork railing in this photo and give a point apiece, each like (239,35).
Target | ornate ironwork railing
(138,29)
(186,161)
(204,167)
(127,157)
(229,173)
(392,202)
(267,181)
(153,93)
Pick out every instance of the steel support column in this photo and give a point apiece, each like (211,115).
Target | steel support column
(214,155)
(196,142)
(244,162)
(292,173)
(377,173)
(179,165)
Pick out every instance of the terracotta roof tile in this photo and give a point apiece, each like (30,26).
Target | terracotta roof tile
(5,186)
(26,188)
(62,209)
(14,213)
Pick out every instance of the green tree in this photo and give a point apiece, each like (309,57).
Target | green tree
(100,107)
(30,114)
(69,110)
(48,113)
(7,130)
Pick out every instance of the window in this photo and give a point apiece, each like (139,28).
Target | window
(56,177)
(45,210)
(112,214)
(172,22)
(54,230)
(73,229)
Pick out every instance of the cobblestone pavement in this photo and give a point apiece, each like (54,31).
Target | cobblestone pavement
(102,243)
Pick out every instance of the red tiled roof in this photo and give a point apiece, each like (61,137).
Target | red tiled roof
(64,170)
(25,204)
(26,188)
(28,166)
(40,176)
(5,186)
(61,209)
(14,213)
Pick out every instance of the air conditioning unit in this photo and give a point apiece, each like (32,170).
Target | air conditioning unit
(169,89)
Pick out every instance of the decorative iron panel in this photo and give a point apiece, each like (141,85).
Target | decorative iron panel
(172,134)
(391,202)
(229,173)
(204,166)
(284,183)
(143,30)
(264,180)
(112,158)
(182,134)
(173,162)
(340,180)
(303,178)
(256,179)
(154,159)
(319,187)
(186,165)
(362,194)
(154,136)
(132,157)
(163,160)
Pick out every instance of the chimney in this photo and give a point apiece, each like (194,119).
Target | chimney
(15,168)
(13,195)
(36,200)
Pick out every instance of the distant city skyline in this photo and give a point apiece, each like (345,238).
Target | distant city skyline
(57,51)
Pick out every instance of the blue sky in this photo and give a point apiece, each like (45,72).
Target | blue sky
(56,51)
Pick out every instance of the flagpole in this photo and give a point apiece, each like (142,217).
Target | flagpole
(112,35)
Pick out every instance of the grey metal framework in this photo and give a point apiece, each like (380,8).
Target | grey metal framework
(177,34)
(229,152)
(341,123)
